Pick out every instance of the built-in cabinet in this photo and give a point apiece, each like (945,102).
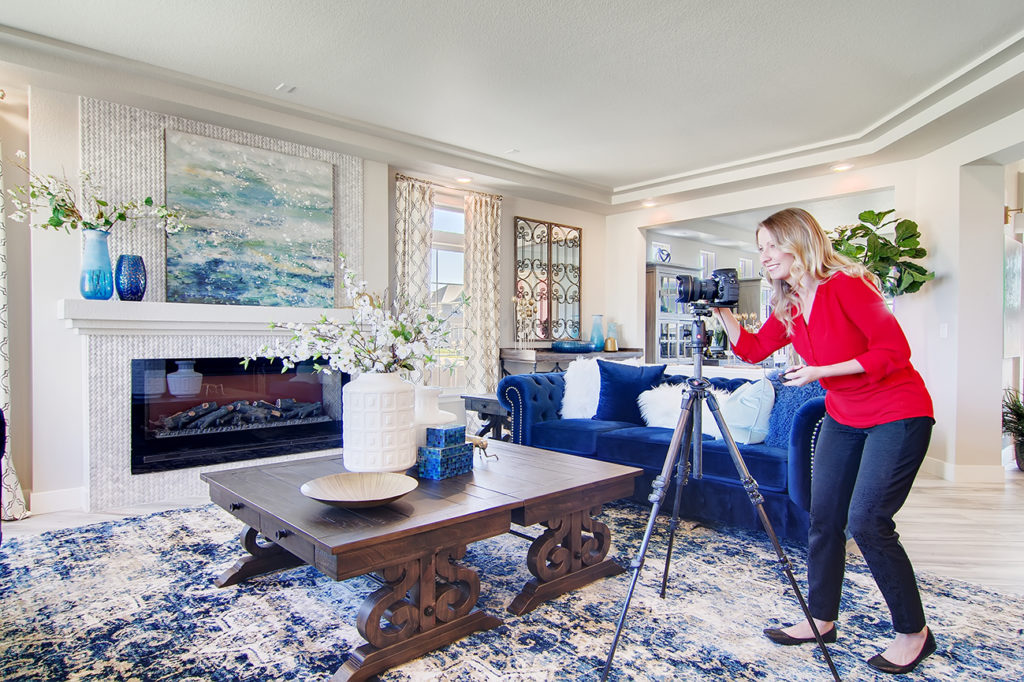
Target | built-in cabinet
(754,297)
(667,320)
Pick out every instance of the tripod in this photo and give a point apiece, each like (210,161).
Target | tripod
(688,429)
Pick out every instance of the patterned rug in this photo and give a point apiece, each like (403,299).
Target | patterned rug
(133,600)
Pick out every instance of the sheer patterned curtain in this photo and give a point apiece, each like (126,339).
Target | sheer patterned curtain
(483,227)
(13,506)
(414,224)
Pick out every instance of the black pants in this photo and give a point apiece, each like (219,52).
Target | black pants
(861,478)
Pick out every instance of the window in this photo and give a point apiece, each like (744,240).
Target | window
(707,263)
(746,268)
(447,281)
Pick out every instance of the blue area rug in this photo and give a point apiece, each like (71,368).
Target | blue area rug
(134,600)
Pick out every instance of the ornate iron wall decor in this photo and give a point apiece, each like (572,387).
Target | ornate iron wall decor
(548,275)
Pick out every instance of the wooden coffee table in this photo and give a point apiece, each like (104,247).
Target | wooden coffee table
(414,544)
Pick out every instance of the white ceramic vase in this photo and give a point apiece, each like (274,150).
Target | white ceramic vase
(428,415)
(378,423)
(185,382)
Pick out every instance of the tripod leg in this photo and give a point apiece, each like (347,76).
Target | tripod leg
(691,405)
(683,429)
(750,485)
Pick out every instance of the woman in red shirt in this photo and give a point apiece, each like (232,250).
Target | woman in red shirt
(875,433)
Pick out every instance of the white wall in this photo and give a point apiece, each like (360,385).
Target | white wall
(686,252)
(954,324)
(58,440)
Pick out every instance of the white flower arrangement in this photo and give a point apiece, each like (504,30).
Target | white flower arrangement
(376,339)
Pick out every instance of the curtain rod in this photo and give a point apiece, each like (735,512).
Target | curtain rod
(402,176)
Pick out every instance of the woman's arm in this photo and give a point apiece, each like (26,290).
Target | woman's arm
(729,321)
(753,348)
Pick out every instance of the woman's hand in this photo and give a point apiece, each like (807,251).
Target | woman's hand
(800,375)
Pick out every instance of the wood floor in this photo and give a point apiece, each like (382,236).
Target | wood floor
(971,532)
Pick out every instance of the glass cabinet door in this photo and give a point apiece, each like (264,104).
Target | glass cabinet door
(673,337)
(668,292)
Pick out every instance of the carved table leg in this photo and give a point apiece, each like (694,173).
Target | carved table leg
(426,603)
(263,558)
(563,558)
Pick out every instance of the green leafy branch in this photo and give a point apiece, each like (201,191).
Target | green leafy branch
(889,259)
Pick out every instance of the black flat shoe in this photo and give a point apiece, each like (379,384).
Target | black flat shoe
(780,637)
(880,662)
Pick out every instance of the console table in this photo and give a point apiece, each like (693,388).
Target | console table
(497,421)
(530,360)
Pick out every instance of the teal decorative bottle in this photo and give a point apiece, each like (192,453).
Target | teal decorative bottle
(597,333)
(97,279)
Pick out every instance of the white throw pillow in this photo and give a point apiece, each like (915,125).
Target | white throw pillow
(661,406)
(746,410)
(583,387)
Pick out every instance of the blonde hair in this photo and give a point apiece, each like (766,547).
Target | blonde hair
(796,232)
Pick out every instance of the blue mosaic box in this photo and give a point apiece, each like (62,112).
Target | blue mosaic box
(445,436)
(437,463)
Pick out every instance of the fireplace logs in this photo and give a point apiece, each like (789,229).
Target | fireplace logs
(237,414)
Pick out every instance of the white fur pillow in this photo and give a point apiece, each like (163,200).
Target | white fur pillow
(746,410)
(583,387)
(661,406)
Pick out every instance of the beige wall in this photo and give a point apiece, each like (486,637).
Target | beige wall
(14,136)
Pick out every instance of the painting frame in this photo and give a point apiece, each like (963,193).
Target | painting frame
(262,225)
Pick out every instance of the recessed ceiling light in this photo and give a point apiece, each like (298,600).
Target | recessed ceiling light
(285,88)
(840,167)
(464,180)
(649,203)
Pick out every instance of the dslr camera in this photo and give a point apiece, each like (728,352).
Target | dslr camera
(721,290)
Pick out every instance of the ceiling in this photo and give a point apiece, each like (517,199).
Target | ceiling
(612,101)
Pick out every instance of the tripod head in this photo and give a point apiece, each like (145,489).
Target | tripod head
(700,308)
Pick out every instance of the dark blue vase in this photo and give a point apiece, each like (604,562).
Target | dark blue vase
(130,277)
(97,280)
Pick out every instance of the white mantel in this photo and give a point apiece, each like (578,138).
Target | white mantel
(143,317)
(115,332)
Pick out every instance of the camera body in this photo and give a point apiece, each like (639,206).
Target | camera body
(721,290)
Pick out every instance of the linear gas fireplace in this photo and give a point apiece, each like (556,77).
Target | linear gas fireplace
(189,412)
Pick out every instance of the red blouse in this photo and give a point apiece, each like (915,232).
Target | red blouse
(849,320)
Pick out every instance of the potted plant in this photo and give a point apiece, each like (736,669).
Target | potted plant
(889,259)
(1013,423)
(64,208)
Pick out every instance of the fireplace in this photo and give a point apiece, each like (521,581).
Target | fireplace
(189,412)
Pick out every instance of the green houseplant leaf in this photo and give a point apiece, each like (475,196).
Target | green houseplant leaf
(891,260)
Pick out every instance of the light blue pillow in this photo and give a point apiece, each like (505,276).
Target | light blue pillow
(747,412)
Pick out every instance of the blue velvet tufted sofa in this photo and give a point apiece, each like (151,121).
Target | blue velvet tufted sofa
(781,465)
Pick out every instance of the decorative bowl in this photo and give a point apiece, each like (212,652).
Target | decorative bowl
(363,489)
(572,346)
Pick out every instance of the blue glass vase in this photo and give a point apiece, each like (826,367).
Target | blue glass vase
(130,277)
(97,280)
(597,333)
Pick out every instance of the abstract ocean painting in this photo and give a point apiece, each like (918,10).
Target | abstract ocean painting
(262,225)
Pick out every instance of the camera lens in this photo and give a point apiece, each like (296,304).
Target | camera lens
(695,289)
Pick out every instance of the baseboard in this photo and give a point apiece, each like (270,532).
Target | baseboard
(964,473)
(69,499)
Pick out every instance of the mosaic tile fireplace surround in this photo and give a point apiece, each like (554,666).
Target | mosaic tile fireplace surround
(113,334)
